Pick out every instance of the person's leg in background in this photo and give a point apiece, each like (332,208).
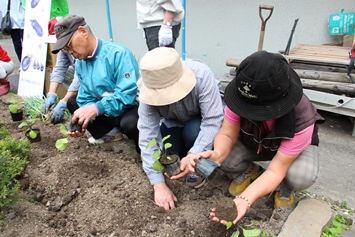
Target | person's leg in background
(128,125)
(17,37)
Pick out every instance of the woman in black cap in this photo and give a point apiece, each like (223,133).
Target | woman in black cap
(267,118)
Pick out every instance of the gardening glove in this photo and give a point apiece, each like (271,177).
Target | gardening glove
(58,112)
(165,35)
(50,100)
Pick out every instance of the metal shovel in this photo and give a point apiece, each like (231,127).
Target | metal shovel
(263,23)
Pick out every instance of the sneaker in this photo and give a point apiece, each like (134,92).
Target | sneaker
(106,138)
(282,201)
(195,181)
(240,183)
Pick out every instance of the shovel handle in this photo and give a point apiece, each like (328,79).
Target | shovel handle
(263,23)
(265,7)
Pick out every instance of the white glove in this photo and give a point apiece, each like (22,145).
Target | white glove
(165,35)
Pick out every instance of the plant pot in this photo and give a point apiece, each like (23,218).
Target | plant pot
(172,166)
(205,167)
(17,116)
(37,138)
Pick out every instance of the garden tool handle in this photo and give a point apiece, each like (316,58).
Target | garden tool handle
(263,23)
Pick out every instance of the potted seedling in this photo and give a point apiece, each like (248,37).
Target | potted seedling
(32,134)
(169,162)
(15,110)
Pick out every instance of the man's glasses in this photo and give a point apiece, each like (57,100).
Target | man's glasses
(67,47)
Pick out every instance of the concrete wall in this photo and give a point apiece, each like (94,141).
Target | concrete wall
(216,30)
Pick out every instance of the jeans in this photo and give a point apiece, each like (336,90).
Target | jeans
(182,138)
(17,37)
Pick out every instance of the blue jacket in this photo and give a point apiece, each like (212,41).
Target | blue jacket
(108,79)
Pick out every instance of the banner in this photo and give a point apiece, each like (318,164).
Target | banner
(34,48)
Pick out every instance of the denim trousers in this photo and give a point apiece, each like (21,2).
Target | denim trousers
(182,138)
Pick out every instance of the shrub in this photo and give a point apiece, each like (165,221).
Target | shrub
(13,159)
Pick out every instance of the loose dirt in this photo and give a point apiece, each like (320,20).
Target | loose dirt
(91,190)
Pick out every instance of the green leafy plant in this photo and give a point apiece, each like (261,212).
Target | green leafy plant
(247,233)
(13,159)
(15,106)
(32,107)
(29,122)
(160,151)
(61,144)
(338,224)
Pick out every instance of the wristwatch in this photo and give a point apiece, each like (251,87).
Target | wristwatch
(166,23)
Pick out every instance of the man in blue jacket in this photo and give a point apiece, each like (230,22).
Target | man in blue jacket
(107,72)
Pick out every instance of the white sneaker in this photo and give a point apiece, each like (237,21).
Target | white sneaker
(106,138)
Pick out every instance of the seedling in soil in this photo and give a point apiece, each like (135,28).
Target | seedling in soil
(61,144)
(29,122)
(160,152)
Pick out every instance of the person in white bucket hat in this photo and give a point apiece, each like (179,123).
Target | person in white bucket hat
(186,96)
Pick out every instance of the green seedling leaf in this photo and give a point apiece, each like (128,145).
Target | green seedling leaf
(251,233)
(167,145)
(152,143)
(61,144)
(63,129)
(229,225)
(168,157)
(235,234)
(157,166)
(156,155)
(13,108)
(23,124)
(33,134)
(164,138)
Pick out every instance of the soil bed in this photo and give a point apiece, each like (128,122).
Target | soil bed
(91,190)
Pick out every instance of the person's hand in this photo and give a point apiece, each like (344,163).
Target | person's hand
(75,133)
(50,100)
(164,197)
(242,207)
(184,166)
(58,112)
(165,35)
(84,114)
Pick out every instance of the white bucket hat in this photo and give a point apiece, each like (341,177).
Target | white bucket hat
(164,79)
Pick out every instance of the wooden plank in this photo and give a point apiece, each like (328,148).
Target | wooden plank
(233,62)
(330,86)
(324,76)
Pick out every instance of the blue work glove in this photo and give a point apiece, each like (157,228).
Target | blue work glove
(58,112)
(165,35)
(50,100)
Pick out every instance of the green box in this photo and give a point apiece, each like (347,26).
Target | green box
(342,23)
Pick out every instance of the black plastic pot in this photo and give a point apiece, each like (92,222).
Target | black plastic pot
(37,138)
(205,167)
(17,116)
(172,166)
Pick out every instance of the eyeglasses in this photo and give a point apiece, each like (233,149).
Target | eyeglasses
(67,47)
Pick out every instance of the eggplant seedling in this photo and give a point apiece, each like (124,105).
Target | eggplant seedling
(61,144)
(159,152)
(29,122)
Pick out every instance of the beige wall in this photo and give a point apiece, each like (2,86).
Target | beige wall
(216,30)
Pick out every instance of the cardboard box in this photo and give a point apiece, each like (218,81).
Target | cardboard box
(61,91)
(348,40)
(51,58)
